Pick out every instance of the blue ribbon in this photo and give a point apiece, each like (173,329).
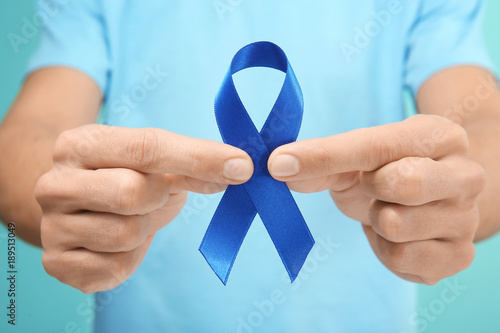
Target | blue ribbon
(262,193)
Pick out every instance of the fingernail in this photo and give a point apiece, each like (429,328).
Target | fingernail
(284,166)
(237,169)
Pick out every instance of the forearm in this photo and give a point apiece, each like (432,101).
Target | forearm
(51,100)
(26,155)
(484,138)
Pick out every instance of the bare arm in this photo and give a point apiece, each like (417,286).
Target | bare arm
(51,100)
(470,96)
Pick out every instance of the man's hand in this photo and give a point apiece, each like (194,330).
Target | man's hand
(411,184)
(111,189)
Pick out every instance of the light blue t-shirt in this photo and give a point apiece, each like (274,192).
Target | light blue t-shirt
(160,63)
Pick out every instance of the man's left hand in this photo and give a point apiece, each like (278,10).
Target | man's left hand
(411,184)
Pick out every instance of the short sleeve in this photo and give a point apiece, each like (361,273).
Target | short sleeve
(73,35)
(445,33)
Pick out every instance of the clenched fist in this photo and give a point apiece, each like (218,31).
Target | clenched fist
(411,184)
(111,189)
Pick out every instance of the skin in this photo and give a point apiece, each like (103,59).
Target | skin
(105,191)
(423,188)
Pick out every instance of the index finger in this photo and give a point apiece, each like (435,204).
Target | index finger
(368,149)
(153,150)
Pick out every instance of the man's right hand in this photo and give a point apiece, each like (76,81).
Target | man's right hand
(110,189)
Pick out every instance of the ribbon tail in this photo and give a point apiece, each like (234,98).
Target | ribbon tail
(284,222)
(227,230)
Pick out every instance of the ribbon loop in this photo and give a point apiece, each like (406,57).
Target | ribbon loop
(262,193)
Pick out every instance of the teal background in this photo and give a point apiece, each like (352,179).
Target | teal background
(45,305)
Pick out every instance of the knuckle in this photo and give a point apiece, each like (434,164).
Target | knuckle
(43,186)
(127,194)
(476,179)
(390,225)
(129,234)
(64,143)
(45,189)
(143,148)
(132,195)
(386,150)
(53,187)
(411,185)
(458,135)
(57,264)
(138,194)
(397,256)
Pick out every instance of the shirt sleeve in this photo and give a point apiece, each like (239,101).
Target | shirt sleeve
(73,35)
(445,33)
